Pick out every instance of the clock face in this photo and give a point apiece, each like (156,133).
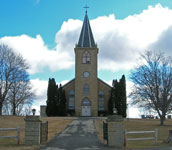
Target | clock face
(86,74)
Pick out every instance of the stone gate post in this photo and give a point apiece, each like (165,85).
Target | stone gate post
(43,111)
(32,130)
(115,131)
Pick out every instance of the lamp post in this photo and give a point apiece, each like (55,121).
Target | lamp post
(33,111)
(114,110)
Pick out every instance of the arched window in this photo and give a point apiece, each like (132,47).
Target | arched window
(71,99)
(86,89)
(86,102)
(86,59)
(101,100)
(72,93)
(101,94)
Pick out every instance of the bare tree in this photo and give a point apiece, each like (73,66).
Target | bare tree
(6,109)
(14,79)
(19,94)
(27,110)
(153,83)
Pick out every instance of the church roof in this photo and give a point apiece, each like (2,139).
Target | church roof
(86,38)
(104,83)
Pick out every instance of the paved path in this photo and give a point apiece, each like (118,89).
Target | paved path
(79,135)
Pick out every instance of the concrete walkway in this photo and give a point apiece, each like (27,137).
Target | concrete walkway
(79,135)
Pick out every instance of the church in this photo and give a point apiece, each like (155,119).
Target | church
(86,94)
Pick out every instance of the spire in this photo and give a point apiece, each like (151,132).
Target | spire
(86,38)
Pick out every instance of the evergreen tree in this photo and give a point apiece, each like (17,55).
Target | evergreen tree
(62,102)
(54,91)
(51,92)
(49,106)
(118,97)
(57,101)
(110,103)
(123,96)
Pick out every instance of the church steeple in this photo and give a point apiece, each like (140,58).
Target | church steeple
(86,38)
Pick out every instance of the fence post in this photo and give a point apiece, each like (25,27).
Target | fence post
(18,135)
(47,131)
(156,135)
(125,136)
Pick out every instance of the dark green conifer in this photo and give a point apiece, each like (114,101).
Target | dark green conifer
(51,92)
(118,97)
(110,103)
(62,102)
(123,96)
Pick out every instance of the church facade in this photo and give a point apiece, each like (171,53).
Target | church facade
(86,94)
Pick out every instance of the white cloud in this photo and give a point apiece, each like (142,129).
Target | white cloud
(120,40)
(132,111)
(164,43)
(37,53)
(63,82)
(40,90)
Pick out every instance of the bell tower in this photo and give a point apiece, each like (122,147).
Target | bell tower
(86,85)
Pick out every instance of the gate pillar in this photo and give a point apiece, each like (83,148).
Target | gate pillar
(115,131)
(32,130)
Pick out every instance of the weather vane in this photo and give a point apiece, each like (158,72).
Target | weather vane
(86,7)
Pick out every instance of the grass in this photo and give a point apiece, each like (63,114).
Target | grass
(55,125)
(142,125)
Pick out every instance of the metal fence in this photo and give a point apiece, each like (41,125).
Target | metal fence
(142,132)
(105,130)
(12,129)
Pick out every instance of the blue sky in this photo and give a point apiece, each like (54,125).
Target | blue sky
(45,17)
(45,33)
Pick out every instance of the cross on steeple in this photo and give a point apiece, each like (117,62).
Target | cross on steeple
(86,38)
(86,7)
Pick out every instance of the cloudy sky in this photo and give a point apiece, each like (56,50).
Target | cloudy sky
(45,33)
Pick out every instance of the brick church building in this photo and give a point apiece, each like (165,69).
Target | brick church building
(86,94)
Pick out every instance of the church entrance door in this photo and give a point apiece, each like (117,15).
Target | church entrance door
(86,107)
(86,111)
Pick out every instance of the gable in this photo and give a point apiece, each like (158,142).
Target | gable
(104,84)
(69,84)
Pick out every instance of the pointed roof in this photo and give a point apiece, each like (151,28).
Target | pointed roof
(86,38)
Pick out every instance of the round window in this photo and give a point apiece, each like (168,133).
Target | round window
(86,74)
